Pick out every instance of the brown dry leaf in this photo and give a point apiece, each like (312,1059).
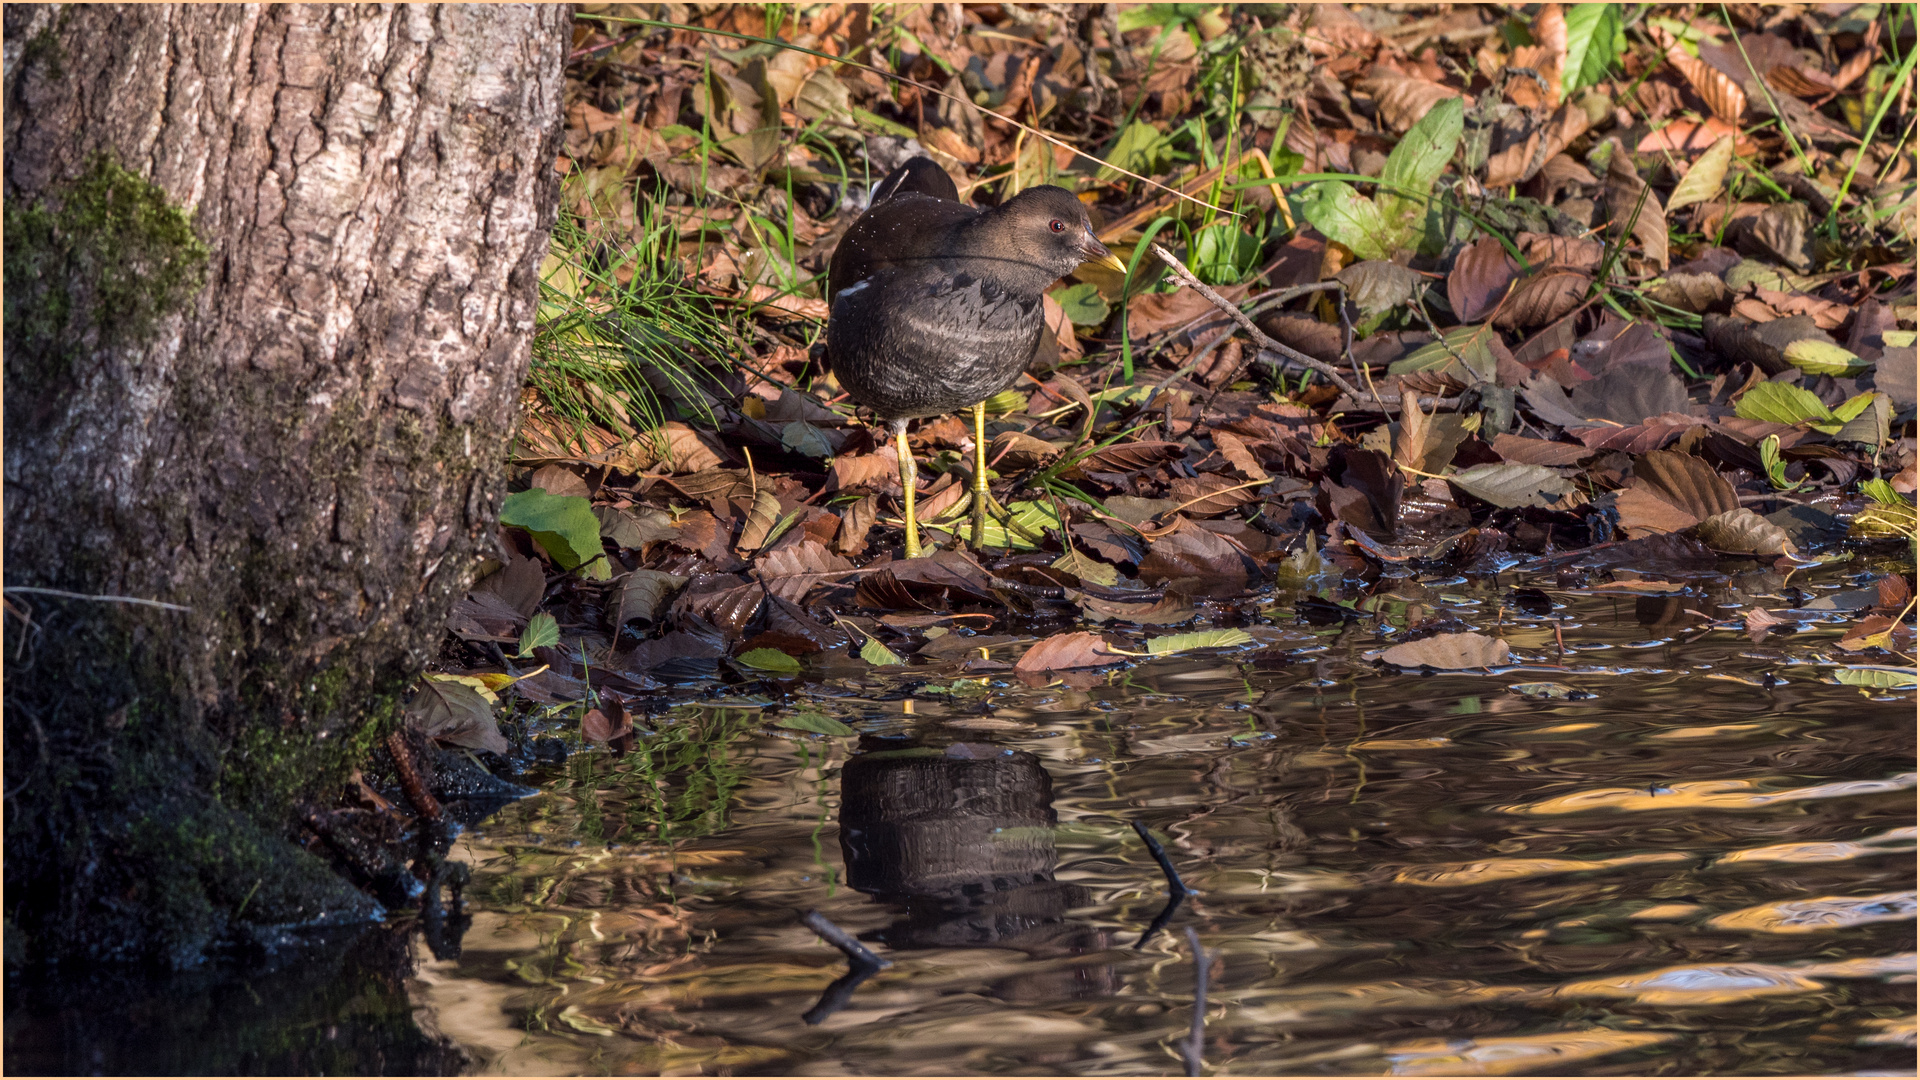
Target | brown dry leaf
(686,450)
(949,142)
(1208,495)
(1630,200)
(1410,449)
(1743,532)
(1013,451)
(1187,550)
(1672,491)
(1545,251)
(1893,593)
(1481,275)
(1134,456)
(1512,165)
(1760,621)
(878,471)
(1078,649)
(1446,652)
(804,307)
(1689,137)
(1550,33)
(1169,609)
(1722,94)
(1543,298)
(1800,81)
(1234,449)
(1403,99)
(947,494)
(639,596)
(762,516)
(1526,451)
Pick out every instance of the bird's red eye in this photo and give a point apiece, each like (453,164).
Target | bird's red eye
(1057,225)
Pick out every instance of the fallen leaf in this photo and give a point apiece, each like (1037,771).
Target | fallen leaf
(1077,649)
(1705,177)
(1743,532)
(1199,639)
(1509,484)
(456,714)
(1482,273)
(1722,94)
(1446,652)
(1631,201)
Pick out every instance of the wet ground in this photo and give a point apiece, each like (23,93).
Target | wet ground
(1647,847)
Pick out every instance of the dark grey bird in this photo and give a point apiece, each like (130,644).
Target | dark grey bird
(936,306)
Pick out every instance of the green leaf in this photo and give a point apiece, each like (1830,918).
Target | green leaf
(1198,639)
(1816,357)
(1881,491)
(1898,339)
(1140,148)
(1034,517)
(1223,254)
(1083,304)
(1414,167)
(1006,401)
(879,655)
(1853,406)
(1780,403)
(1595,39)
(1776,468)
(563,526)
(542,631)
(1875,678)
(1473,344)
(768,660)
(1344,216)
(817,723)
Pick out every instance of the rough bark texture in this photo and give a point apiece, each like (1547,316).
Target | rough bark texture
(304,444)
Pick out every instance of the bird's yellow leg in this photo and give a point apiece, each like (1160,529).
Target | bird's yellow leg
(909,476)
(983,501)
(981,495)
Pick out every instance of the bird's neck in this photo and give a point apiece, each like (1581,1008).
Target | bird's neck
(990,254)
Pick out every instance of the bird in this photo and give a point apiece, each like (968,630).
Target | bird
(936,306)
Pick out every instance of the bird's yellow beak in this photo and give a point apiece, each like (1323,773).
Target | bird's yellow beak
(1097,253)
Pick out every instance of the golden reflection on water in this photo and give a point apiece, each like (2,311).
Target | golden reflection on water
(1685,872)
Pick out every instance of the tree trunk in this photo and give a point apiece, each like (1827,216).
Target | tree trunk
(271,276)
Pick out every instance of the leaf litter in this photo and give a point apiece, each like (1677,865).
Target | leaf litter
(1590,310)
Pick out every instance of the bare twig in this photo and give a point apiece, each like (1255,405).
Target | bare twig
(857,954)
(1174,884)
(1196,1035)
(87,596)
(1259,336)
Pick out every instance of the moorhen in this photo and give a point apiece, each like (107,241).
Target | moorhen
(936,306)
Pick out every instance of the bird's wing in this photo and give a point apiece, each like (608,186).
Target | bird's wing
(904,230)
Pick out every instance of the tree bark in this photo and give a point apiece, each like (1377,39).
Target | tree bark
(292,422)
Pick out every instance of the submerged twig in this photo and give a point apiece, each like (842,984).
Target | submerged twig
(857,953)
(1176,889)
(1174,884)
(1196,1035)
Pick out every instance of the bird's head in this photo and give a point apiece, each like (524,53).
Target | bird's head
(1041,233)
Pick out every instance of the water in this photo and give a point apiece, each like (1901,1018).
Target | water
(1685,854)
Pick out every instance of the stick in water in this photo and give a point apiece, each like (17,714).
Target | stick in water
(1196,1036)
(857,953)
(1174,884)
